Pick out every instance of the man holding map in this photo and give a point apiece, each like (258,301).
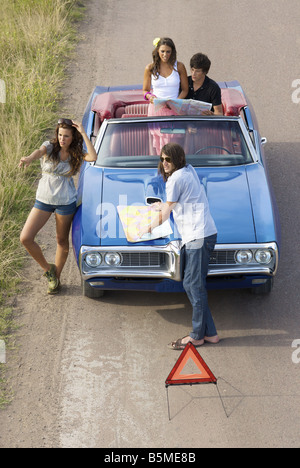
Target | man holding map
(203,88)
(186,198)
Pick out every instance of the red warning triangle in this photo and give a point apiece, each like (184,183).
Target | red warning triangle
(204,376)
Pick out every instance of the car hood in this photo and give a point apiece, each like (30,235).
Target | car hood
(227,191)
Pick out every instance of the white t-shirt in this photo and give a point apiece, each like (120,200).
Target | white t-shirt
(191,214)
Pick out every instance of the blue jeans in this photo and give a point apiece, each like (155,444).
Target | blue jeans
(196,255)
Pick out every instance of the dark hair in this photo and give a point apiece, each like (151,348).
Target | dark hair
(177,155)
(75,149)
(155,67)
(200,61)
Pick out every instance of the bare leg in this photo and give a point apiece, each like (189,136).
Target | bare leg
(63,226)
(35,222)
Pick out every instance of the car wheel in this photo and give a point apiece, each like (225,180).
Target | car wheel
(89,291)
(265,288)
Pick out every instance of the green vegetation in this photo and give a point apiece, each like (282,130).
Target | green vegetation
(36,38)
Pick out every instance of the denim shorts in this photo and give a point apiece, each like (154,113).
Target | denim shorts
(63,210)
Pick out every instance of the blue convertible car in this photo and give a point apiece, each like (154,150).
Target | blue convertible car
(227,153)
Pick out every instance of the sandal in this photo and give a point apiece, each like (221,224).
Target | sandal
(179,346)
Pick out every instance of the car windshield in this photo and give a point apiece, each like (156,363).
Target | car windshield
(207,143)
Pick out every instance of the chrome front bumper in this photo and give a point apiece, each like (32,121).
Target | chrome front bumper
(163,262)
(135,263)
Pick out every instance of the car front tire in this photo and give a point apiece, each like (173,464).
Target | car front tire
(89,291)
(265,288)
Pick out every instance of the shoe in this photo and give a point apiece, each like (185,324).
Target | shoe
(53,281)
(55,290)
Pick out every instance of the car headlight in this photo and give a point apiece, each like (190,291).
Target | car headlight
(243,256)
(93,259)
(263,256)
(112,259)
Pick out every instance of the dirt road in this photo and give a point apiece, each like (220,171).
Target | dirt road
(91,373)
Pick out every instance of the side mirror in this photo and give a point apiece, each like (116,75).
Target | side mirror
(151,200)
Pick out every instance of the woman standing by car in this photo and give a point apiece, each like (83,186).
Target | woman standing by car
(165,75)
(61,159)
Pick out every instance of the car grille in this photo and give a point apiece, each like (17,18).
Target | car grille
(158,259)
(144,259)
(222,257)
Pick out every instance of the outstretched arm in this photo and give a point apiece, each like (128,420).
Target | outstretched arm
(37,154)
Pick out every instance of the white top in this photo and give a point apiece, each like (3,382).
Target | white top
(166,88)
(191,214)
(56,187)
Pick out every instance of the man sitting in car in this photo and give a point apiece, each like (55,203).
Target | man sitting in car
(203,88)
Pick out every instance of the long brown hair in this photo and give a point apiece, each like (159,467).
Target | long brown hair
(155,67)
(75,149)
(177,155)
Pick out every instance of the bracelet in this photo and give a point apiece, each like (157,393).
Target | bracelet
(146,94)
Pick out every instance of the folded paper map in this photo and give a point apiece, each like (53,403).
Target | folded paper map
(135,217)
(182,106)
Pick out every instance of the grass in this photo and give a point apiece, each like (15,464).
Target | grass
(36,39)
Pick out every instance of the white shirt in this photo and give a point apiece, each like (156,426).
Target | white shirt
(166,88)
(191,213)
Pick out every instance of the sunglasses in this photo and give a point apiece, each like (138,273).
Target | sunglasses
(65,121)
(167,159)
